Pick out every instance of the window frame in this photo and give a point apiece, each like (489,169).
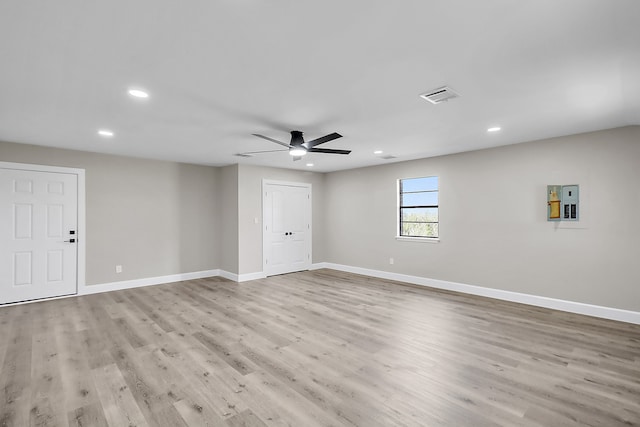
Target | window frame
(400,207)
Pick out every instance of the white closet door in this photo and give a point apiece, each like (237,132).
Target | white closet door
(287,228)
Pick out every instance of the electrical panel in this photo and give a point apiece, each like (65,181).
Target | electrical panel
(563,203)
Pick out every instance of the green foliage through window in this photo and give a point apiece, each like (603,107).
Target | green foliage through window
(419,207)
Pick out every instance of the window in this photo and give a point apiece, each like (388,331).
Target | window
(418,204)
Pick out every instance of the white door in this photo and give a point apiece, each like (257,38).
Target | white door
(38,234)
(287,228)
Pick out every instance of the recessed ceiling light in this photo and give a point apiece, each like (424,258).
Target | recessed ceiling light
(105,132)
(137,93)
(377,152)
(494,129)
(309,164)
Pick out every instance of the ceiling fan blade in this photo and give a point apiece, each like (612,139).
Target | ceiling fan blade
(259,152)
(327,151)
(322,140)
(270,139)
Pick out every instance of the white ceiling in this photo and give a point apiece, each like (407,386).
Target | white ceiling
(219,70)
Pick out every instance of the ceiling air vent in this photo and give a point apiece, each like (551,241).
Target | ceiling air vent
(439,95)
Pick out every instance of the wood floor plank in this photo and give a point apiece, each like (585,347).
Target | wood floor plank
(198,412)
(150,392)
(15,376)
(288,403)
(317,348)
(46,382)
(90,415)
(210,376)
(94,340)
(120,408)
(75,373)
(245,419)
(151,308)
(236,360)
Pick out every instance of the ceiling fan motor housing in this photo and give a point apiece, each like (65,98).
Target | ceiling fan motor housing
(296,138)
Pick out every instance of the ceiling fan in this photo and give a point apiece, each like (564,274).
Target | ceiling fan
(298,147)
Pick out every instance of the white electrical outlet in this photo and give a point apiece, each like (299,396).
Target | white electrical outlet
(118,269)
(391,261)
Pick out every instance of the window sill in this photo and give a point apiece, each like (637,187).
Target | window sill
(419,239)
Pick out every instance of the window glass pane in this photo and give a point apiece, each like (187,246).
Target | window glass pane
(419,214)
(418,221)
(419,184)
(420,199)
(419,229)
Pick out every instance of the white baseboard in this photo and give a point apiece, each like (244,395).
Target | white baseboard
(534,300)
(151,281)
(539,301)
(242,277)
(148,281)
(251,276)
(227,275)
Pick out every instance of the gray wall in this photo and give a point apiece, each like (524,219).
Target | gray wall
(154,218)
(159,218)
(250,207)
(229,252)
(494,231)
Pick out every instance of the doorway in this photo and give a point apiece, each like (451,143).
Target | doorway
(41,220)
(286,233)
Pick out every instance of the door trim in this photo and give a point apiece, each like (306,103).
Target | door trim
(81,243)
(307,185)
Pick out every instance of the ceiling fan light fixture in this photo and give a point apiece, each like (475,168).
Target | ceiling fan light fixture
(297,151)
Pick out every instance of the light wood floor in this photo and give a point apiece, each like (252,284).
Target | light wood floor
(319,348)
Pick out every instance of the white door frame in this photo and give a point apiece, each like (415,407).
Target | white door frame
(266,182)
(82,233)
